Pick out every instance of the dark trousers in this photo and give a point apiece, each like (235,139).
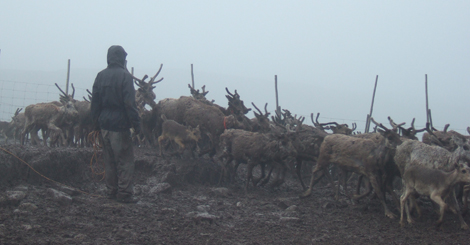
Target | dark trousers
(118,155)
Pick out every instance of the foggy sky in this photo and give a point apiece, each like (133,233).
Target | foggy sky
(326,54)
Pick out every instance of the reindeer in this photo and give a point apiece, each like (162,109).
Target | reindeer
(235,113)
(81,127)
(187,111)
(435,183)
(261,121)
(334,126)
(444,139)
(48,116)
(255,148)
(363,156)
(15,126)
(416,153)
(178,133)
(146,88)
(145,96)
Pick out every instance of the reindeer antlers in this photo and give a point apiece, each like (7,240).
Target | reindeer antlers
(141,82)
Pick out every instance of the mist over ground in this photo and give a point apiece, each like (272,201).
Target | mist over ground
(326,54)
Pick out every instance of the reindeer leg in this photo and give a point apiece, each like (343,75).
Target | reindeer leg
(249,174)
(298,167)
(256,180)
(378,191)
(266,180)
(466,190)
(313,181)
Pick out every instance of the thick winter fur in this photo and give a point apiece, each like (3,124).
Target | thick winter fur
(178,133)
(415,153)
(363,156)
(431,182)
(254,148)
(48,116)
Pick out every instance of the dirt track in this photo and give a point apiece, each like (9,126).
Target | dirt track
(181,203)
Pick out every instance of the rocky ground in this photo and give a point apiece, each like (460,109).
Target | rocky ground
(181,202)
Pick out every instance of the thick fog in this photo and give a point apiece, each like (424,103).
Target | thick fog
(326,54)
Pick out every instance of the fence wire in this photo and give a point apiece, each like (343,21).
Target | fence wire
(18,94)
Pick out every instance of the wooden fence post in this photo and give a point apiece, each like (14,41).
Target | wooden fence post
(192,75)
(371,106)
(277,97)
(68,77)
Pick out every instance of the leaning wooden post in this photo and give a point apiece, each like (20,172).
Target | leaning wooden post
(277,97)
(371,105)
(428,116)
(366,130)
(192,75)
(68,77)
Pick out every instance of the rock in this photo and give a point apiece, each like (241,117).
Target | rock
(28,206)
(21,188)
(285,202)
(168,210)
(152,181)
(291,211)
(205,217)
(3,201)
(161,188)
(80,237)
(171,178)
(137,190)
(289,220)
(27,227)
(327,205)
(2,230)
(239,204)
(203,208)
(69,190)
(15,197)
(59,197)
(281,204)
(221,191)
(292,208)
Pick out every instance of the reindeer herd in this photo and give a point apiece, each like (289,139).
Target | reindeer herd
(436,167)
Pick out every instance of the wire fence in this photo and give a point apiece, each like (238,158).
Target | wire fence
(17,94)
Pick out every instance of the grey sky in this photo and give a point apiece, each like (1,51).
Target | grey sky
(326,53)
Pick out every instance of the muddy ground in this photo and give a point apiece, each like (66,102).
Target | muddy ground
(181,202)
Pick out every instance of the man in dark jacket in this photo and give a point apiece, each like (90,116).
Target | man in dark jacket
(114,111)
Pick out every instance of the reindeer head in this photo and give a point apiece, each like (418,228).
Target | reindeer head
(235,104)
(145,91)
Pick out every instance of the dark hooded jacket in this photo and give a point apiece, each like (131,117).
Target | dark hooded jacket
(113,104)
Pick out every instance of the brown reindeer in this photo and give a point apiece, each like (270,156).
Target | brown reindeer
(413,152)
(363,156)
(48,116)
(434,183)
(178,133)
(255,148)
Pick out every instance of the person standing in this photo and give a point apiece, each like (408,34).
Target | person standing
(114,112)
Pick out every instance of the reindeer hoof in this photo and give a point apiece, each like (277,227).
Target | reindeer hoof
(390,215)
(307,193)
(402,224)
(464,226)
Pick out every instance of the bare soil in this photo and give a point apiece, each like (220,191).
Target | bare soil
(181,202)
